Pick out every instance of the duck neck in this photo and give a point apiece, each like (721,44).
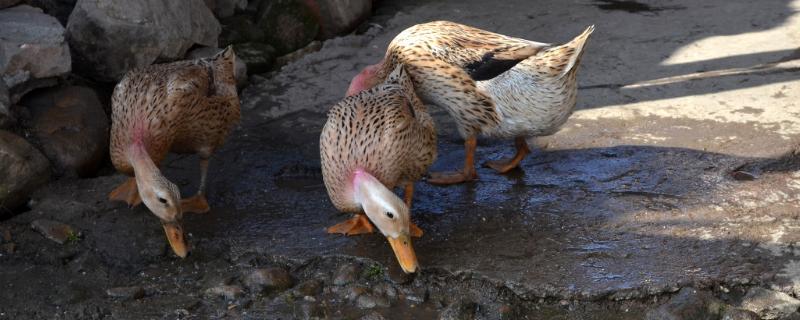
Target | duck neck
(145,170)
(366,188)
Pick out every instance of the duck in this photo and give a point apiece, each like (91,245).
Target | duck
(186,107)
(490,84)
(371,143)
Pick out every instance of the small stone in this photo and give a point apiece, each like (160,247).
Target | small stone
(310,288)
(374,315)
(352,293)
(346,274)
(689,303)
(743,175)
(308,310)
(769,304)
(369,301)
(268,280)
(9,248)
(738,314)
(54,230)
(126,293)
(229,292)
(460,310)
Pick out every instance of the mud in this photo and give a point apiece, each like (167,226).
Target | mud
(633,200)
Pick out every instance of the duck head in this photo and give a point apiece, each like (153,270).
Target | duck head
(369,77)
(162,197)
(389,214)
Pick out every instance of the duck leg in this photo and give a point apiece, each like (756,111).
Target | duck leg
(358,224)
(408,194)
(506,165)
(126,192)
(467,174)
(198,203)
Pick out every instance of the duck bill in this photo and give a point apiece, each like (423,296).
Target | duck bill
(404,252)
(174,232)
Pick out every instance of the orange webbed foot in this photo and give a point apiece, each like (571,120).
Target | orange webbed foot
(359,224)
(126,192)
(502,165)
(415,231)
(195,204)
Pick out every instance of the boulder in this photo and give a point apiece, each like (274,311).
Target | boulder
(226,8)
(239,29)
(6,117)
(338,17)
(288,24)
(23,169)
(57,8)
(770,304)
(689,303)
(258,57)
(8,3)
(71,127)
(33,46)
(110,37)
(207,52)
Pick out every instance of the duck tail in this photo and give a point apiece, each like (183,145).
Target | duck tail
(562,59)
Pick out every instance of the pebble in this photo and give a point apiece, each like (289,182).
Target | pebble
(268,279)
(229,292)
(346,274)
(369,301)
(374,315)
(460,310)
(743,175)
(738,314)
(310,287)
(54,230)
(9,247)
(126,293)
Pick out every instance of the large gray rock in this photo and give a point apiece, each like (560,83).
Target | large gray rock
(770,304)
(338,17)
(32,47)
(110,37)
(22,170)
(689,303)
(6,118)
(71,127)
(57,8)
(288,24)
(8,3)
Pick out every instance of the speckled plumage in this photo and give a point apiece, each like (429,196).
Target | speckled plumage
(183,107)
(385,131)
(537,95)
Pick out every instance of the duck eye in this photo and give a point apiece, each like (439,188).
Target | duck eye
(390,215)
(162,200)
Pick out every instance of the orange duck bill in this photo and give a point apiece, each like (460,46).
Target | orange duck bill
(174,232)
(404,252)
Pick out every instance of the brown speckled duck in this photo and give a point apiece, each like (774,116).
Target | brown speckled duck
(183,107)
(373,141)
(489,83)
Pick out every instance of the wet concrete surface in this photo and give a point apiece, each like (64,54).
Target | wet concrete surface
(634,199)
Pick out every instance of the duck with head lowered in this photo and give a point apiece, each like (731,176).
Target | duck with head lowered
(372,142)
(491,84)
(183,107)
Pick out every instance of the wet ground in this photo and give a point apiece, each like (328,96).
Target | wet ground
(678,170)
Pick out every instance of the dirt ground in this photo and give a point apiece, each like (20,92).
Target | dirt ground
(680,169)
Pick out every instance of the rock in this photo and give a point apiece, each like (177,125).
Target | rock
(738,314)
(288,24)
(689,303)
(374,315)
(769,304)
(308,310)
(460,310)
(226,8)
(239,29)
(346,274)
(240,71)
(54,230)
(8,3)
(258,57)
(33,46)
(110,37)
(299,53)
(57,8)
(24,170)
(310,288)
(338,17)
(268,280)
(6,117)
(229,292)
(369,301)
(71,128)
(126,293)
(743,175)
